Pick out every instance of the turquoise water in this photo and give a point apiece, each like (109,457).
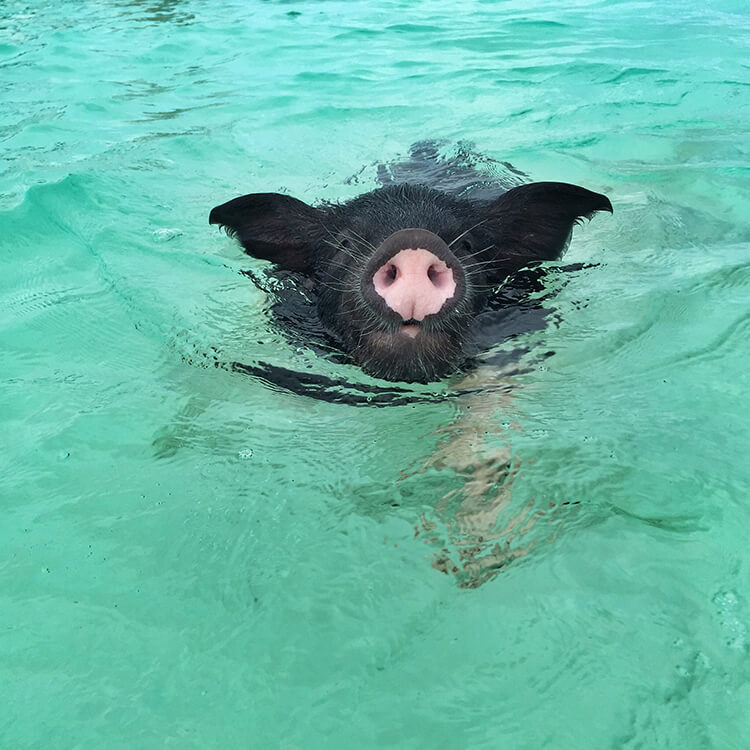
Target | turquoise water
(194,558)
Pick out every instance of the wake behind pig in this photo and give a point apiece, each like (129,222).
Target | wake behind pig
(400,274)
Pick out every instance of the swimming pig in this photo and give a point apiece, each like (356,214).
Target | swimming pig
(400,273)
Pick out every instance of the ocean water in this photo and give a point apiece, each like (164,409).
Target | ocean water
(197,558)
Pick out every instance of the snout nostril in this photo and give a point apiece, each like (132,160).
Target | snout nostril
(386,276)
(440,275)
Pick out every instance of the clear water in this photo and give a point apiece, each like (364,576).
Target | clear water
(193,558)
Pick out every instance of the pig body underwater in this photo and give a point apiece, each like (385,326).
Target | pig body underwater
(399,274)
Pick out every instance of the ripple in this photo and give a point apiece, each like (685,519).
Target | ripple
(635,72)
(727,342)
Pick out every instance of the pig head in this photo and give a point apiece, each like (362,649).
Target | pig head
(400,273)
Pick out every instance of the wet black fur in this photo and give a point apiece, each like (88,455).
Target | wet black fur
(330,245)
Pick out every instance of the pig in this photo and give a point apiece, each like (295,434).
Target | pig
(399,274)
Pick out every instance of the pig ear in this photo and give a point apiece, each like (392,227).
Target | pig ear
(533,222)
(273,227)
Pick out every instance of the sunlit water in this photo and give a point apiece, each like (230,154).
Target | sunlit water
(198,558)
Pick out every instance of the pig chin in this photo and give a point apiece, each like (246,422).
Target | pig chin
(408,356)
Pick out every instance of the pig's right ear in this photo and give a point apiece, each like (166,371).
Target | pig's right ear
(273,227)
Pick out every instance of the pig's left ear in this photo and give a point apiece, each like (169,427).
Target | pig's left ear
(272,226)
(533,222)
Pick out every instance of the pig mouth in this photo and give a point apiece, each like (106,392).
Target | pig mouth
(411,328)
(411,352)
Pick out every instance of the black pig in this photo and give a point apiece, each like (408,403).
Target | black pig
(400,273)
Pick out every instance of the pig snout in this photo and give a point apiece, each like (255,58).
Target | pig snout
(413,274)
(414,283)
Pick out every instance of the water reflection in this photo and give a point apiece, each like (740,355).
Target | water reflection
(158,11)
(478,526)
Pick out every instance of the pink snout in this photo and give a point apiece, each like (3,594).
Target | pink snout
(415,283)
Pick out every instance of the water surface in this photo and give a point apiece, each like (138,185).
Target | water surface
(194,557)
